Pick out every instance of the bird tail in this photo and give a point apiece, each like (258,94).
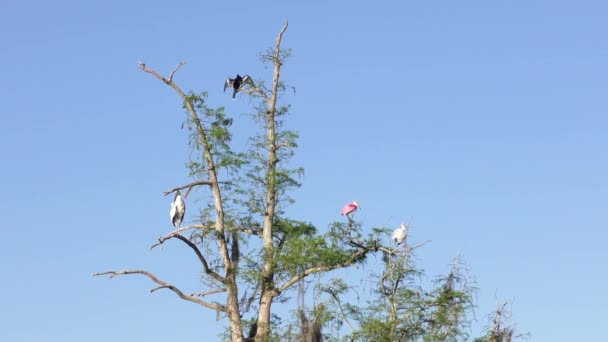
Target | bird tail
(234,94)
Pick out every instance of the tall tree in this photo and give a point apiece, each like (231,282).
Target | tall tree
(251,253)
(242,238)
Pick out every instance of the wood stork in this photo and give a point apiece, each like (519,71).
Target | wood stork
(237,83)
(349,208)
(400,234)
(178,209)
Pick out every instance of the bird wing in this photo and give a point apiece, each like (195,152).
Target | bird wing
(347,209)
(228,83)
(180,204)
(394,236)
(173,211)
(178,209)
(247,79)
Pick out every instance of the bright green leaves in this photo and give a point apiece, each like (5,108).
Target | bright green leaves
(216,127)
(298,248)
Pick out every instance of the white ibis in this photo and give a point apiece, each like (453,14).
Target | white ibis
(237,83)
(178,209)
(349,208)
(400,234)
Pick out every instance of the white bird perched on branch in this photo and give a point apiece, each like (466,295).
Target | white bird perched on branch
(178,209)
(400,234)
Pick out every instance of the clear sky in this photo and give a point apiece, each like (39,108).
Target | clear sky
(482,123)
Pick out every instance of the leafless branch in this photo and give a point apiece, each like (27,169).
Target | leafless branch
(206,293)
(143,67)
(164,285)
(279,37)
(256,91)
(179,65)
(175,232)
(202,259)
(189,186)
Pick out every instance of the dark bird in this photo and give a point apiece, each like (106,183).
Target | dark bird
(178,209)
(237,83)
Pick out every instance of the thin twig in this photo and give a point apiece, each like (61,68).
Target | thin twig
(164,285)
(189,186)
(175,232)
(256,90)
(179,65)
(202,259)
(206,293)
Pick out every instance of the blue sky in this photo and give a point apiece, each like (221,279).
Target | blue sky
(483,124)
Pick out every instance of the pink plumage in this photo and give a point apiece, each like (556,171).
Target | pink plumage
(349,208)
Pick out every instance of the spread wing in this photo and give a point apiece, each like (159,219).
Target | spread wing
(249,80)
(228,83)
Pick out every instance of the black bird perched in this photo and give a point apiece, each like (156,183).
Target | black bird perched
(237,83)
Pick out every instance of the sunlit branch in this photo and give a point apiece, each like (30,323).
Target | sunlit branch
(202,259)
(206,293)
(175,232)
(189,187)
(164,285)
(179,65)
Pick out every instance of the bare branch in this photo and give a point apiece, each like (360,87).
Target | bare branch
(179,65)
(202,259)
(172,234)
(280,36)
(143,67)
(206,293)
(256,91)
(175,232)
(164,285)
(189,186)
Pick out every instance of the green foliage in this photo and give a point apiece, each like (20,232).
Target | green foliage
(216,126)
(399,307)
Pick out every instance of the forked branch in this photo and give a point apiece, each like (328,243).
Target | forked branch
(188,186)
(175,232)
(165,285)
(179,65)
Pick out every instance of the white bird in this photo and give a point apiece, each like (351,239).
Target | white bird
(400,234)
(178,209)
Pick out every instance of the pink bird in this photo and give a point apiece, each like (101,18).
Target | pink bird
(349,208)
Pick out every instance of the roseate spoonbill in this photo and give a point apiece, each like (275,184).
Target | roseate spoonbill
(178,209)
(237,83)
(400,234)
(349,208)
